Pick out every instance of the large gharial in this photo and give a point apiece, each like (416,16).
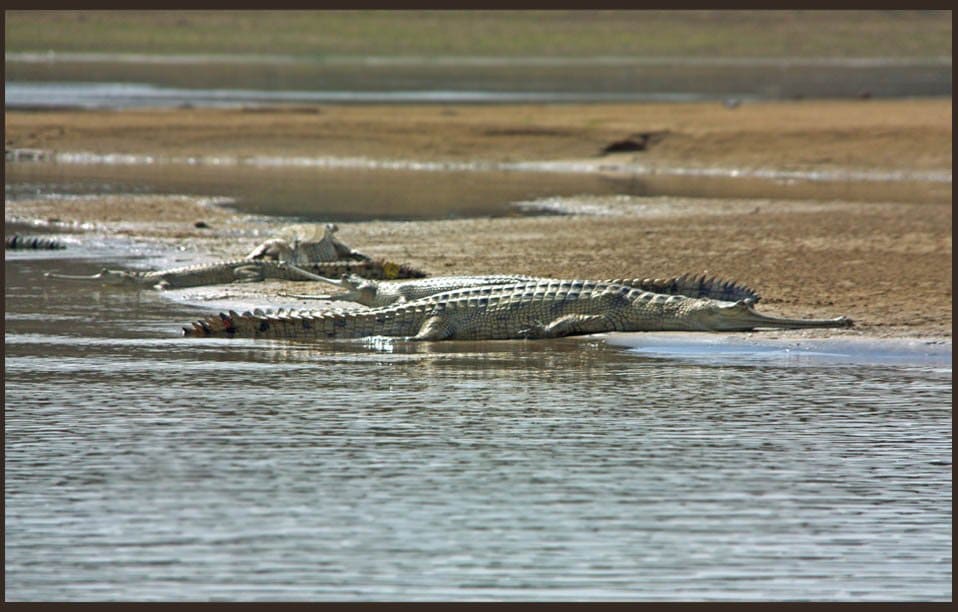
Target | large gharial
(539,308)
(377,294)
(276,258)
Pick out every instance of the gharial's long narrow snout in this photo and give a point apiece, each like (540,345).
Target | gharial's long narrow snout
(106,275)
(741,316)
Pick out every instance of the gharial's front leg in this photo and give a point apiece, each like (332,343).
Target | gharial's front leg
(248,274)
(569,325)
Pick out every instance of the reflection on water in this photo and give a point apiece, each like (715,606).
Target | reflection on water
(141,465)
(126,95)
(119,84)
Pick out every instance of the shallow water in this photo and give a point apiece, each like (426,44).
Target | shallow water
(118,81)
(331,193)
(142,465)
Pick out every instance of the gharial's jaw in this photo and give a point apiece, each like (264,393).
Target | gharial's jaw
(105,276)
(741,316)
(718,316)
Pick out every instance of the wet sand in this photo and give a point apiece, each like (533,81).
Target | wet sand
(885,265)
(863,134)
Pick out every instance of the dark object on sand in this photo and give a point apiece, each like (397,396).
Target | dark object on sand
(17,242)
(635,142)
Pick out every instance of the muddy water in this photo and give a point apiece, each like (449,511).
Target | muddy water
(141,465)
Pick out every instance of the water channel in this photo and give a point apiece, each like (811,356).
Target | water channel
(142,465)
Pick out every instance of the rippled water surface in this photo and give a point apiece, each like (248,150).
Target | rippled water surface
(141,465)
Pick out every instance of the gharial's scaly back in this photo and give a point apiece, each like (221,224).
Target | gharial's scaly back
(537,308)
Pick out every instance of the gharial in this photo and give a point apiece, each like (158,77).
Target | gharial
(376,294)
(277,258)
(539,308)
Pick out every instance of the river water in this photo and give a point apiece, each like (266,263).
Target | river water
(144,466)
(88,80)
(140,465)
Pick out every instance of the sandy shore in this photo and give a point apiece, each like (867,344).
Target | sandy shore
(867,134)
(886,265)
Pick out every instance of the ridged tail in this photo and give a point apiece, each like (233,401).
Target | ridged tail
(248,324)
(17,242)
(283,323)
(695,286)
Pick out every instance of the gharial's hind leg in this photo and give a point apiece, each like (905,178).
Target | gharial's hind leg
(569,325)
(435,327)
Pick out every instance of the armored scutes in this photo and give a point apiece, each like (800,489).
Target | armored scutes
(277,258)
(242,271)
(377,294)
(526,309)
(18,242)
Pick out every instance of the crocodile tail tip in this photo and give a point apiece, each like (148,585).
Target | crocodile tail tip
(196,331)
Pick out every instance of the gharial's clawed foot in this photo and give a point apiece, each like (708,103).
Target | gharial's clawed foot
(536,330)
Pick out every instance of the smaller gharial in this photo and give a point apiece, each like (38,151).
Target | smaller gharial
(277,258)
(538,308)
(40,243)
(221,272)
(295,249)
(378,294)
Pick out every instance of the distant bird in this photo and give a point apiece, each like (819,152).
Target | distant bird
(635,142)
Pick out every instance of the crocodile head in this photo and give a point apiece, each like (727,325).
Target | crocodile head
(105,276)
(359,289)
(714,315)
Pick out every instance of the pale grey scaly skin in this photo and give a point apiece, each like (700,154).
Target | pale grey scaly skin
(299,252)
(238,270)
(222,272)
(692,285)
(276,258)
(378,294)
(527,309)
